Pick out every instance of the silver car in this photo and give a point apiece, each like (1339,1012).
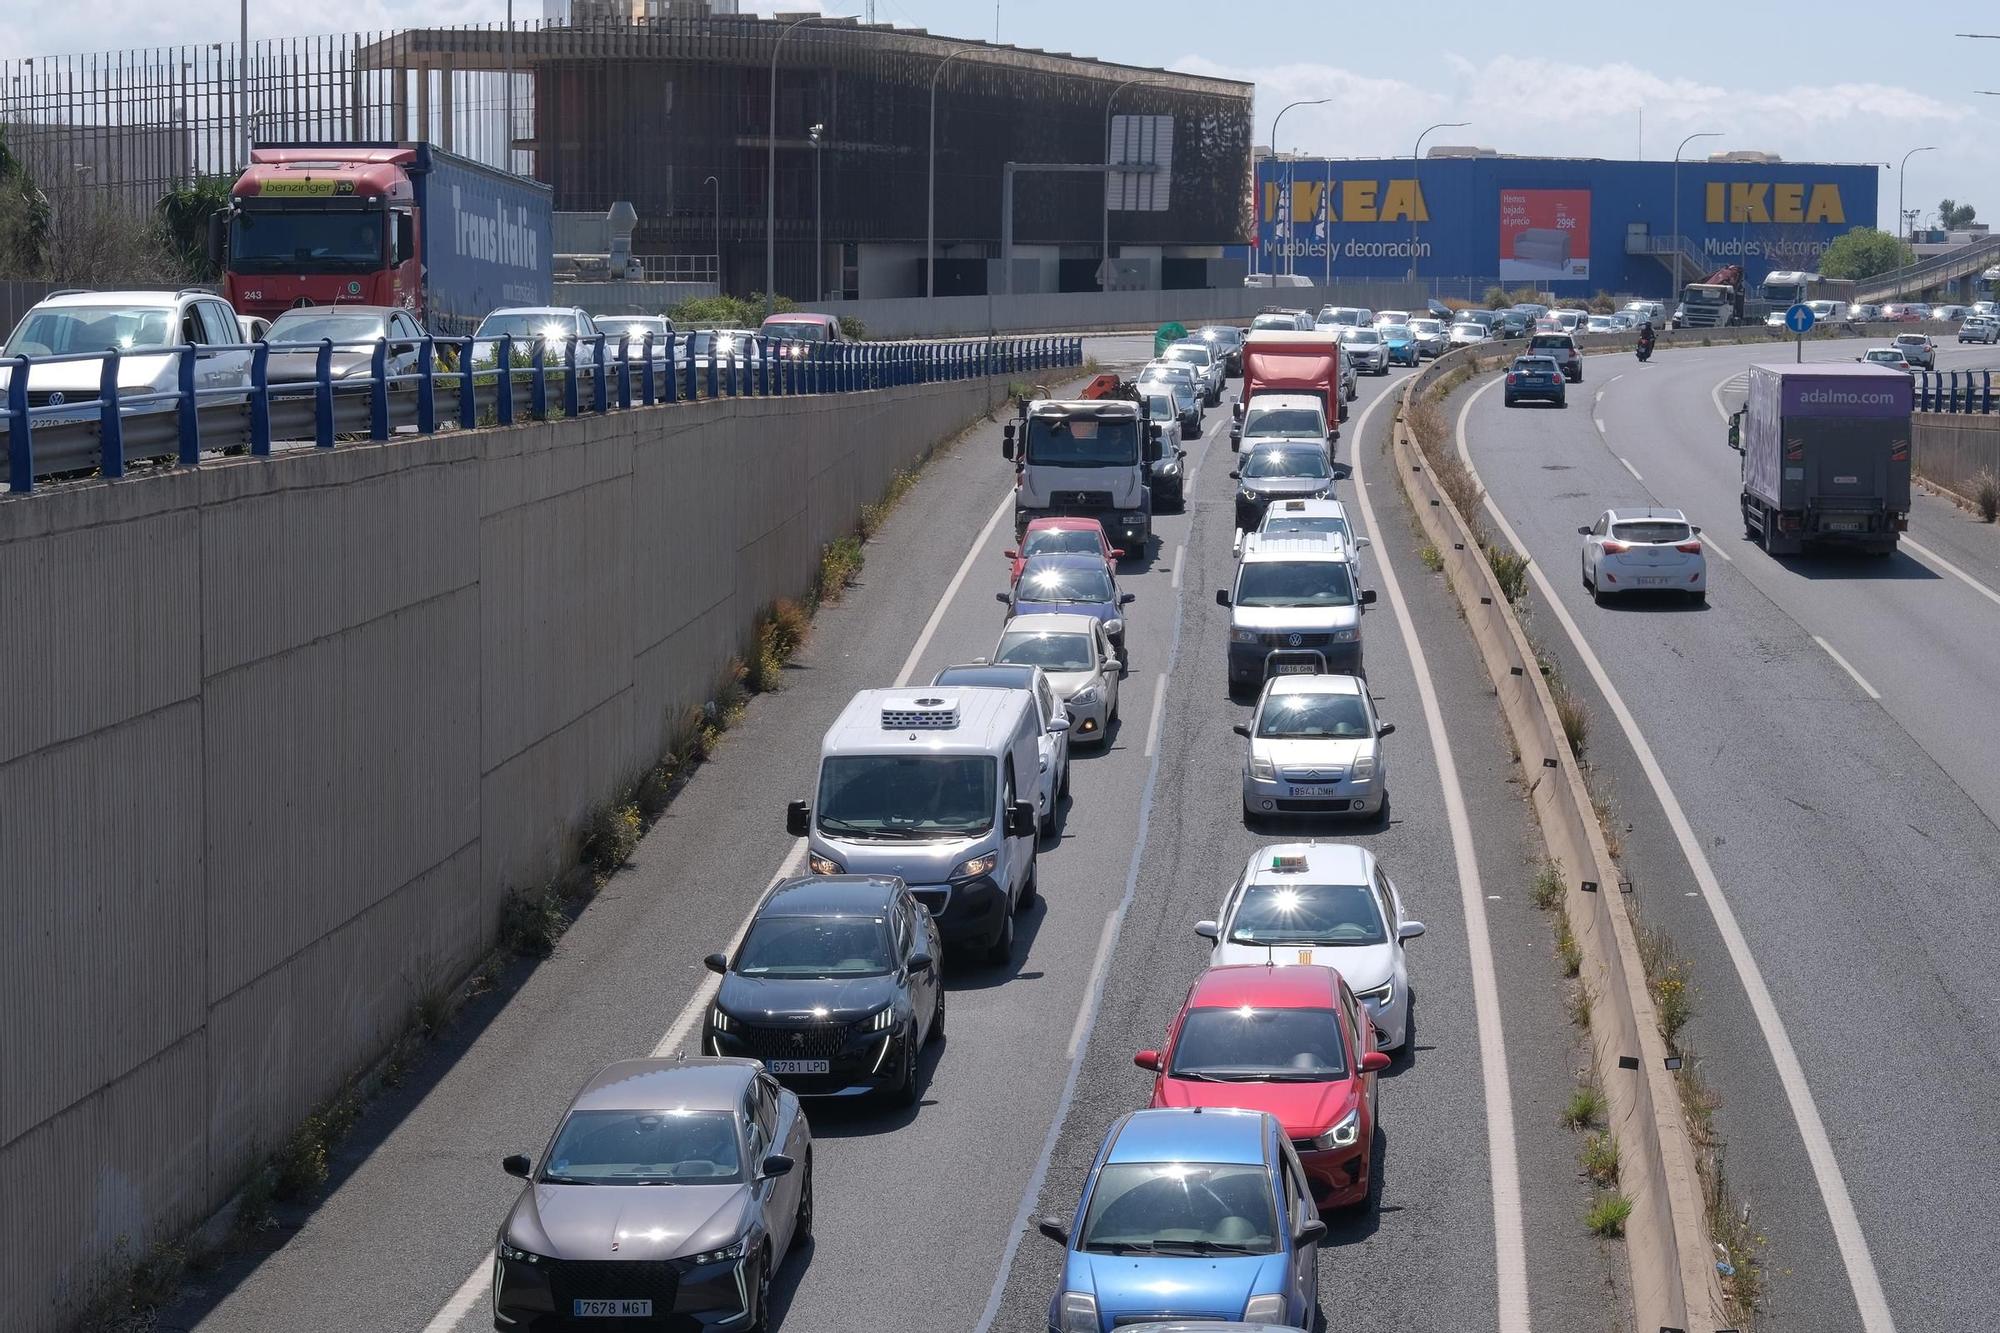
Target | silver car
(1315,748)
(1196,353)
(1366,349)
(1079,661)
(671,1191)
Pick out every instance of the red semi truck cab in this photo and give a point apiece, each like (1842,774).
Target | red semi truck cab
(324,225)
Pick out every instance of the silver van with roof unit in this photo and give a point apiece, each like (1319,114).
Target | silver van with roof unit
(935,785)
(1295,610)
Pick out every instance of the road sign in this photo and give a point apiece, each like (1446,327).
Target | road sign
(1799,319)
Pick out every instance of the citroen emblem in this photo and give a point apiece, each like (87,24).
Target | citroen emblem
(1296,640)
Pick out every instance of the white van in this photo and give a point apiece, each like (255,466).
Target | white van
(935,785)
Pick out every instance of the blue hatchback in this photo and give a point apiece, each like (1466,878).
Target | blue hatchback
(1190,1213)
(1405,348)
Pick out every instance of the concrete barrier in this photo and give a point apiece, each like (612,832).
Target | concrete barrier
(1668,1246)
(284,732)
(1955,452)
(1054,312)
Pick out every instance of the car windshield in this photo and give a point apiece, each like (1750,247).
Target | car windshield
(1042,581)
(1294,583)
(1395,332)
(548,325)
(1540,365)
(1062,541)
(669,1146)
(815,946)
(1364,337)
(1468,330)
(1910,340)
(1275,322)
(1160,406)
(635,329)
(284,240)
(906,796)
(1082,442)
(294,327)
(55,330)
(1273,461)
(1656,531)
(1223,333)
(1555,341)
(1314,716)
(1425,328)
(1285,421)
(1195,356)
(1047,650)
(1248,1045)
(1330,914)
(1886,357)
(1180,1208)
(799,330)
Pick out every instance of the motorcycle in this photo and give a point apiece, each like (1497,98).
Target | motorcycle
(1645,350)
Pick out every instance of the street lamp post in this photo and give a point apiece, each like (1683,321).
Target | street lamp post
(1902,218)
(1105,284)
(1416,158)
(1698,134)
(930,190)
(1275,122)
(717,183)
(771,172)
(814,132)
(243,73)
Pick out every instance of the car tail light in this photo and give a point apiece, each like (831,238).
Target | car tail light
(1616,548)
(1512,378)
(1689,548)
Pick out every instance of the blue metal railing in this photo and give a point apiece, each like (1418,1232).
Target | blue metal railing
(1955,391)
(440,383)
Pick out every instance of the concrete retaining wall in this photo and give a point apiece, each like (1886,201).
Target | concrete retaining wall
(1955,451)
(282,734)
(956,316)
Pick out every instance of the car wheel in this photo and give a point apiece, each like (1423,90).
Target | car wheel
(762,1323)
(905,1091)
(1001,951)
(1062,789)
(1382,812)
(937,1020)
(1045,826)
(802,1220)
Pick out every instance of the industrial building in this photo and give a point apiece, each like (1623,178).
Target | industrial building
(1465,219)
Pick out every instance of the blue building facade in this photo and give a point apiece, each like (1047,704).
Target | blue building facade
(1569,225)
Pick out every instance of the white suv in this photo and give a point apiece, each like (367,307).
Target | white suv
(144,328)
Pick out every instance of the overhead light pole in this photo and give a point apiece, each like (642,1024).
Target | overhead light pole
(771,171)
(1275,122)
(1105,284)
(816,132)
(243,73)
(1416,159)
(1902,219)
(717,183)
(930,190)
(1698,134)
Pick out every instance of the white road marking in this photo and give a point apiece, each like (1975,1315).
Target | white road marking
(1599,423)
(1629,468)
(951,589)
(1510,1254)
(1713,549)
(1159,710)
(1848,667)
(460,1305)
(1097,967)
(1847,1234)
(1180,558)
(698,1003)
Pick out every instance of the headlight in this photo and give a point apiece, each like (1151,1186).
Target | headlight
(1264,1310)
(974,867)
(1245,493)
(1346,635)
(824,865)
(1379,997)
(1079,1312)
(718,1020)
(1262,769)
(1321,493)
(731,1251)
(512,1255)
(1237,635)
(1343,1133)
(882,1020)
(1114,627)
(1364,768)
(1085,697)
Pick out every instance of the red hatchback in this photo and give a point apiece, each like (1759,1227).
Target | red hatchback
(1052,536)
(1292,1041)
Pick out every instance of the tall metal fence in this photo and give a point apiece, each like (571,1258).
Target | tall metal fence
(1955,391)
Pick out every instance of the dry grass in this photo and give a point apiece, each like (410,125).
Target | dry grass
(1599,1158)
(1567,951)
(1607,823)
(1667,977)
(839,566)
(781,632)
(1510,571)
(1547,887)
(611,835)
(1574,716)
(1432,558)
(1987,497)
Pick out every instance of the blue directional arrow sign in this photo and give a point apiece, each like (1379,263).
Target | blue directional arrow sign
(1799,319)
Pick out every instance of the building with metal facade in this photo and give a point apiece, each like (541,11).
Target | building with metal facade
(1573,226)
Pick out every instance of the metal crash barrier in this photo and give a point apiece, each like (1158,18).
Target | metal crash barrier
(1955,391)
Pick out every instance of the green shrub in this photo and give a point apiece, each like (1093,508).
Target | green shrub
(1510,571)
(1573,715)
(1585,1108)
(852,327)
(1600,1158)
(611,835)
(839,566)
(1568,953)
(301,1165)
(1432,558)
(531,921)
(781,632)
(1547,888)
(1607,1215)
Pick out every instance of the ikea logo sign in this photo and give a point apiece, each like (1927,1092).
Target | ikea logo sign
(1344,201)
(1754,201)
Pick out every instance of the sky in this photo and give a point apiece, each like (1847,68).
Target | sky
(1811,80)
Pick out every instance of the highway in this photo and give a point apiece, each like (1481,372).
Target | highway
(925,1218)
(1808,779)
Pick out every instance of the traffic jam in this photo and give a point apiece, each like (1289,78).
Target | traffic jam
(921,839)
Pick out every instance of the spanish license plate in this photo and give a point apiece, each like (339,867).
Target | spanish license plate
(1653,582)
(1315,791)
(611,1309)
(1295,668)
(1843,525)
(798,1066)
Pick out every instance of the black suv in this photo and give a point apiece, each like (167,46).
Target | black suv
(1562,348)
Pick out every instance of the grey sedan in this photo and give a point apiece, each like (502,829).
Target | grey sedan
(670,1192)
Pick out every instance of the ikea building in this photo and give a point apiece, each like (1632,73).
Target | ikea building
(1463,220)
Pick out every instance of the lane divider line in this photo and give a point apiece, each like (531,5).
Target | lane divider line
(1629,468)
(1503,1160)
(1848,667)
(1159,711)
(1180,559)
(1862,1278)
(1097,966)
(951,590)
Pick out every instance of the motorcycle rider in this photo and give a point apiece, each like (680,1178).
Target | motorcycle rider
(1646,338)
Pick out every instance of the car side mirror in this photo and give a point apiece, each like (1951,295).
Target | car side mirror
(402,349)
(1583,531)
(1054,1230)
(1363,543)
(1021,819)
(798,819)
(1154,451)
(1007,446)
(717,963)
(1310,1230)
(1002,597)
(1368,597)
(920,963)
(1409,930)
(1011,555)
(516,1165)
(1235,476)
(1208,930)
(1148,1060)
(1242,729)
(1375,1062)
(1222,597)
(1695,529)
(1127,598)
(1386,729)
(1117,553)
(1059,723)
(777,1164)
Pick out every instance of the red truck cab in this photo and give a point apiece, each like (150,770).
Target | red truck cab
(323,226)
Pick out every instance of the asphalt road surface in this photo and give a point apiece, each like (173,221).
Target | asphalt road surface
(925,1218)
(1820,733)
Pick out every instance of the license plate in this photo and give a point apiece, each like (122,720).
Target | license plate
(1843,525)
(1653,582)
(611,1309)
(1294,669)
(798,1066)
(1315,791)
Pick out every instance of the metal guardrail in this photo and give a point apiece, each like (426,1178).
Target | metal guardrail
(1964,391)
(115,426)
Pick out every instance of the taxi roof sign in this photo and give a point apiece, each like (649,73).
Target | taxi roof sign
(1288,863)
(1295,506)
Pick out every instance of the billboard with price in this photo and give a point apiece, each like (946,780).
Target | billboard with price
(1544,235)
